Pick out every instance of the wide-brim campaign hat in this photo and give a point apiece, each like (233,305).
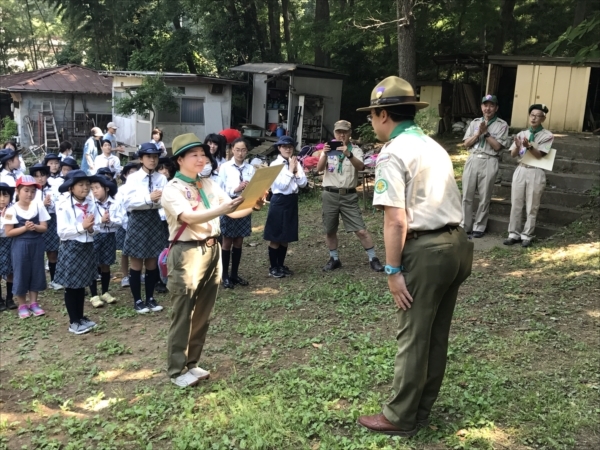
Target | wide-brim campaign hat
(7,154)
(50,157)
(112,187)
(71,162)
(185,142)
(105,171)
(393,91)
(71,178)
(6,188)
(130,166)
(285,140)
(27,180)
(39,167)
(165,160)
(148,148)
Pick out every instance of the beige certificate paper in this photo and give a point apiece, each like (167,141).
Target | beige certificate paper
(260,183)
(546,162)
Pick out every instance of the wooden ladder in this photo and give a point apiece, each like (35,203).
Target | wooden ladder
(51,140)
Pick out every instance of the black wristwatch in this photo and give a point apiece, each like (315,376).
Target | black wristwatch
(351,155)
(487,135)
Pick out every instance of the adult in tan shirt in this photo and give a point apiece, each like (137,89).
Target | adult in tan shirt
(340,198)
(428,255)
(194,262)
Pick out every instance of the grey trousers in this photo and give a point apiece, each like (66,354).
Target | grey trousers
(479,176)
(528,185)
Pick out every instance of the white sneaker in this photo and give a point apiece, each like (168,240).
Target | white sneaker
(125,282)
(185,380)
(106,297)
(199,373)
(47,266)
(55,286)
(96,302)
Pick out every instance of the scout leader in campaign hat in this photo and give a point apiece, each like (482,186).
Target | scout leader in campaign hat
(186,142)
(393,91)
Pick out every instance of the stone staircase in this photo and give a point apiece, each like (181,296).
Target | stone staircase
(575,175)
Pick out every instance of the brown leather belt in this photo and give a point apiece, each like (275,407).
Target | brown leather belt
(208,242)
(415,234)
(342,191)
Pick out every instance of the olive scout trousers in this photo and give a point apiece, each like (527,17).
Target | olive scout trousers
(194,276)
(436,265)
(479,176)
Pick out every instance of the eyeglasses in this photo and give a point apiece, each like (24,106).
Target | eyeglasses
(533,116)
(370,118)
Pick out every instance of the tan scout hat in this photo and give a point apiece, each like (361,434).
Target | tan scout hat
(393,91)
(185,142)
(342,125)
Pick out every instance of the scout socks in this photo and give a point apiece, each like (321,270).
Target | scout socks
(152,277)
(52,268)
(334,254)
(105,281)
(281,252)
(371,253)
(94,288)
(273,256)
(70,301)
(236,257)
(226,255)
(135,284)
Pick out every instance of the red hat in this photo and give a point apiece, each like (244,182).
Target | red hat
(230,134)
(27,180)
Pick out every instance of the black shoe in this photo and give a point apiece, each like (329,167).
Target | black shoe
(469,235)
(478,234)
(152,305)
(511,241)
(286,271)
(140,307)
(376,265)
(161,288)
(227,283)
(2,305)
(332,264)
(276,272)
(239,280)
(526,243)
(10,304)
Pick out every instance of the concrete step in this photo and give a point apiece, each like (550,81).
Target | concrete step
(565,181)
(578,146)
(561,164)
(551,196)
(499,224)
(551,214)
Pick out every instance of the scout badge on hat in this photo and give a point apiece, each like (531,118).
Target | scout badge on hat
(393,91)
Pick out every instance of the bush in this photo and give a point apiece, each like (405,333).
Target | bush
(9,129)
(366,133)
(428,120)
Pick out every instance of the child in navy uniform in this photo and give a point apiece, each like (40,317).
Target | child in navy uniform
(144,240)
(76,215)
(47,196)
(53,162)
(25,222)
(7,194)
(9,165)
(105,244)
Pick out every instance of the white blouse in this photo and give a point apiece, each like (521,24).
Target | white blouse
(69,218)
(230,175)
(139,186)
(286,182)
(115,213)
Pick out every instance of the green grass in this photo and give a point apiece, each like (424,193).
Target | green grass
(294,362)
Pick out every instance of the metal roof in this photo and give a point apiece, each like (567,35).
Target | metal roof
(514,60)
(70,79)
(174,76)
(281,68)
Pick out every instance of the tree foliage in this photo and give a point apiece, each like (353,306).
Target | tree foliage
(581,41)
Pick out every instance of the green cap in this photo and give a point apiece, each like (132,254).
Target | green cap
(490,98)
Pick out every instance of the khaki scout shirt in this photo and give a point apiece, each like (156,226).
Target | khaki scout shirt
(498,130)
(348,178)
(179,196)
(415,173)
(542,141)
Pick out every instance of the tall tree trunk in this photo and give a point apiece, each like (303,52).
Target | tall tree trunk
(250,20)
(322,57)
(507,20)
(189,58)
(285,11)
(580,12)
(407,39)
(34,49)
(274,29)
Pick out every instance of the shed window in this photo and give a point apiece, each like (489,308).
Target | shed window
(192,110)
(169,116)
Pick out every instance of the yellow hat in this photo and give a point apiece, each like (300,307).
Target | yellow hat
(185,142)
(393,91)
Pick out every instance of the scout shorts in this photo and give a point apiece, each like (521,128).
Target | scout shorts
(347,206)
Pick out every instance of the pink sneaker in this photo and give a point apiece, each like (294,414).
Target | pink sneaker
(24,312)
(36,310)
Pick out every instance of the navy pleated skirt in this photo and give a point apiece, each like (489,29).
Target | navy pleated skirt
(282,219)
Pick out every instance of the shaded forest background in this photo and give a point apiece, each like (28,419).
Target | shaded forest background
(365,39)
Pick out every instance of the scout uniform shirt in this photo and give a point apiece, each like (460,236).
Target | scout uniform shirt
(497,128)
(180,196)
(542,141)
(339,172)
(415,173)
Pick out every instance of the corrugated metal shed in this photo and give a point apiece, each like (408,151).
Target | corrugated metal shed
(177,77)
(281,68)
(72,79)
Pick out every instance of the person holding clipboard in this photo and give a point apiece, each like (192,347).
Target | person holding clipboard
(528,181)
(193,206)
